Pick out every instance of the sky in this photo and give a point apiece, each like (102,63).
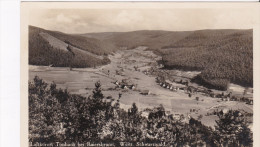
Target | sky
(79,21)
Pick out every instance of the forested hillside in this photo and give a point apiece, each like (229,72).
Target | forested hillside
(41,52)
(221,58)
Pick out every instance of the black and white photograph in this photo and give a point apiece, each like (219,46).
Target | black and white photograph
(155,74)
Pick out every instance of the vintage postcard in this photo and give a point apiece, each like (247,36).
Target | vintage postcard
(139,74)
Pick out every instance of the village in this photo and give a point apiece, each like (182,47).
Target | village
(181,83)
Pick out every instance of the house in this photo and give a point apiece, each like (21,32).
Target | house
(124,87)
(225,110)
(164,85)
(226,99)
(167,85)
(174,88)
(249,101)
(117,83)
(132,87)
(145,92)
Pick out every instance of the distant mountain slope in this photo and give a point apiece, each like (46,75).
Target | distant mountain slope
(223,56)
(45,49)
(101,36)
(154,39)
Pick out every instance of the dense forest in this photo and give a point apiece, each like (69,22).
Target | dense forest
(55,115)
(221,58)
(42,53)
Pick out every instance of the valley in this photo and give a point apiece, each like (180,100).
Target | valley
(131,68)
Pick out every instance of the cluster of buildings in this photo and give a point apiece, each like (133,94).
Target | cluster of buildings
(191,90)
(125,84)
(161,81)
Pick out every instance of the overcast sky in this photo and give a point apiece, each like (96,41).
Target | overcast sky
(118,20)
